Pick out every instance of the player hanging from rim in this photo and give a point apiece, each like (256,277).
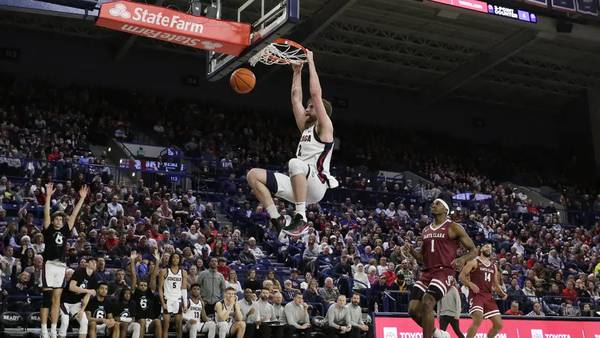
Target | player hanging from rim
(53,275)
(195,317)
(172,289)
(481,276)
(309,176)
(76,296)
(124,314)
(441,240)
(147,306)
(230,320)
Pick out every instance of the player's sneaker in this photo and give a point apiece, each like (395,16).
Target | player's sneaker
(281,222)
(297,227)
(440,334)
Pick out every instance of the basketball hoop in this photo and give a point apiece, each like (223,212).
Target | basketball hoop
(280,52)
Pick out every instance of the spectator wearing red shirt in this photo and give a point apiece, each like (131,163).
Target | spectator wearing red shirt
(514,309)
(569,292)
(111,240)
(223,268)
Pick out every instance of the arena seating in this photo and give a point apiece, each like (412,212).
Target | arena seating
(46,132)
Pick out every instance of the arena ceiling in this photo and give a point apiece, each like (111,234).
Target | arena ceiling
(435,51)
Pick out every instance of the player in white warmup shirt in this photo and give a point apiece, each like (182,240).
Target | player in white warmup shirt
(309,176)
(195,317)
(172,290)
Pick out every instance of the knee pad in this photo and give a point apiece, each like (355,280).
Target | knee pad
(47,299)
(297,167)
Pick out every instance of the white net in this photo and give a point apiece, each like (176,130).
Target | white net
(279,54)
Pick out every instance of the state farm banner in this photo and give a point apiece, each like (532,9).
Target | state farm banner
(173,26)
(405,327)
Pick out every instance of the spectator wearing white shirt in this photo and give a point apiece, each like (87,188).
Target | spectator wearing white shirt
(115,208)
(256,251)
(519,247)
(390,212)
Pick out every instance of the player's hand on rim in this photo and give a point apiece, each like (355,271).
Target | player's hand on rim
(297,67)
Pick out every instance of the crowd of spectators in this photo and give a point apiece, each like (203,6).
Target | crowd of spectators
(353,244)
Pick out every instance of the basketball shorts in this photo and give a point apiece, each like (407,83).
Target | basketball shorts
(224,328)
(173,306)
(435,282)
(53,276)
(69,311)
(282,188)
(484,303)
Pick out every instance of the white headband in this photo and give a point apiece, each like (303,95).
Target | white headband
(444,204)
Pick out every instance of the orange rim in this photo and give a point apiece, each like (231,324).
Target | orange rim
(292,43)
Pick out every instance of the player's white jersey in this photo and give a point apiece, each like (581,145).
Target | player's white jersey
(317,154)
(194,310)
(172,285)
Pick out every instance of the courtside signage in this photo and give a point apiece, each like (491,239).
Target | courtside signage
(405,327)
(173,26)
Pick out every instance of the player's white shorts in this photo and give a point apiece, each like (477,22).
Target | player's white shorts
(173,306)
(200,327)
(315,189)
(224,328)
(53,275)
(67,311)
(70,309)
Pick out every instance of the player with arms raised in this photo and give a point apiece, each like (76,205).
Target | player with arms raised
(53,275)
(480,275)
(441,240)
(309,176)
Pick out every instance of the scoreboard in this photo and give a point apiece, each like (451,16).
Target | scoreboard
(509,9)
(484,7)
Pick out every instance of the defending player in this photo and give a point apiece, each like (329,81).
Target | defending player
(309,176)
(195,317)
(53,275)
(480,275)
(441,240)
(172,290)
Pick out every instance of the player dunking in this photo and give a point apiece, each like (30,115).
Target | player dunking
(172,290)
(309,176)
(441,240)
(53,275)
(480,275)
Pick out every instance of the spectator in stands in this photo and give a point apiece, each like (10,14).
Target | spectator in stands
(329,293)
(514,309)
(569,293)
(114,208)
(569,310)
(256,251)
(232,282)
(271,277)
(212,285)
(252,282)
(361,280)
(536,311)
(246,256)
(587,311)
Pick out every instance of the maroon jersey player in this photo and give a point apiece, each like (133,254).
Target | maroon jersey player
(480,275)
(438,254)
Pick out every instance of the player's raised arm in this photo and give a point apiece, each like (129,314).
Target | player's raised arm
(83,192)
(297,105)
(465,275)
(316,97)
(49,191)
(461,235)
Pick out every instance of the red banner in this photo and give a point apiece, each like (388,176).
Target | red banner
(176,27)
(404,327)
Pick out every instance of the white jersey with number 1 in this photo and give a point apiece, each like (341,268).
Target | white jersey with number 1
(194,310)
(317,154)
(172,285)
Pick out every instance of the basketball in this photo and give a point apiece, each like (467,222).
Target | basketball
(242,80)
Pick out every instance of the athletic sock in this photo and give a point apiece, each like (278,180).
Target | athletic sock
(301,209)
(272,210)
(45,331)
(53,330)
